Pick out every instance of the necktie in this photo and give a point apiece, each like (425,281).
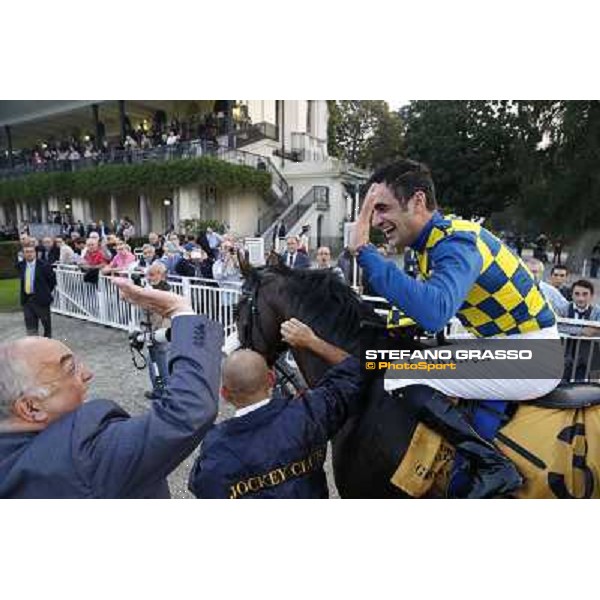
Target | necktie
(291,260)
(28,279)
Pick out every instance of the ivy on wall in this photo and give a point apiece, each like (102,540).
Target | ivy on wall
(148,177)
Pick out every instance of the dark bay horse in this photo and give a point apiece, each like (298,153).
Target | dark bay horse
(367,451)
(557,451)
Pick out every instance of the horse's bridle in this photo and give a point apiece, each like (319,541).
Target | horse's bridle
(251,298)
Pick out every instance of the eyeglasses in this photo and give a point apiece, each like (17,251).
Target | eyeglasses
(70,366)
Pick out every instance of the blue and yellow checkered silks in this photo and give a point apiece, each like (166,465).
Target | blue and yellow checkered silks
(505,300)
(397,319)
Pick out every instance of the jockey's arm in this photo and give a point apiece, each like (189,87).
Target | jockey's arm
(431,303)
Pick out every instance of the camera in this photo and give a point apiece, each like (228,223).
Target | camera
(138,338)
(137,279)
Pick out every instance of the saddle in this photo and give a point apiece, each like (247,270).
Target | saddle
(571,395)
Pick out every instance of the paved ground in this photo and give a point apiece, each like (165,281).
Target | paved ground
(106,352)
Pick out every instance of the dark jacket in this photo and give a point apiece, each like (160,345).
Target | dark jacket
(50,256)
(100,451)
(278,450)
(301,261)
(44,281)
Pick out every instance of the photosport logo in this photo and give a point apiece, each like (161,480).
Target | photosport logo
(496,358)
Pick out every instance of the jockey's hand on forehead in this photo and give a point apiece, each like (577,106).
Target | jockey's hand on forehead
(362,226)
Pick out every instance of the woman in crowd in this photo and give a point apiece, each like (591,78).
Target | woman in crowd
(123,259)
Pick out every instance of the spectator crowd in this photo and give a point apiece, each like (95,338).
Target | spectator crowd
(159,132)
(149,446)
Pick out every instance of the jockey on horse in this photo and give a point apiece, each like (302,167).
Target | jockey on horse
(468,272)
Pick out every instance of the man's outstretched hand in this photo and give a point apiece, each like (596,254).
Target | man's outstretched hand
(165,304)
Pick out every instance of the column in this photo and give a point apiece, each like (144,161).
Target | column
(9,145)
(87,211)
(2,215)
(122,118)
(175,212)
(54,204)
(114,212)
(144,216)
(19,213)
(96,120)
(25,211)
(77,210)
(44,211)
(230,130)
(281,125)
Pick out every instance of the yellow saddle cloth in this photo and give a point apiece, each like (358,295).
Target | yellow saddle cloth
(557,451)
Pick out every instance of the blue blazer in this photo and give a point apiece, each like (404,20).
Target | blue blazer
(278,450)
(100,451)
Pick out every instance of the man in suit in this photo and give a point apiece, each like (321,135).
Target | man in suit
(37,283)
(292,258)
(103,229)
(92,227)
(48,251)
(53,445)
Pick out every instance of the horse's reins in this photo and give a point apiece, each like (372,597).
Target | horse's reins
(252,301)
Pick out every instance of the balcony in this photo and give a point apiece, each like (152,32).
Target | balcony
(181,150)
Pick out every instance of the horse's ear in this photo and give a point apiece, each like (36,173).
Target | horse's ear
(244,261)
(274,259)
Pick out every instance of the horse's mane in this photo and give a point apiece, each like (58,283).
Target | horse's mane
(322,300)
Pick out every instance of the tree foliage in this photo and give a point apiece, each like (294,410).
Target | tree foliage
(474,150)
(563,188)
(364,132)
(538,156)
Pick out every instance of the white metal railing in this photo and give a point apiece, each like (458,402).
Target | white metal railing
(101,303)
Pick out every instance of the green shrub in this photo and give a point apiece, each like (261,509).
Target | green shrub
(136,178)
(195,226)
(8,256)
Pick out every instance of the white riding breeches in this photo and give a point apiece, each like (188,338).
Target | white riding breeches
(488,388)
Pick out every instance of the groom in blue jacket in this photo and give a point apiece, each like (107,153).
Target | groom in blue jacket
(275,447)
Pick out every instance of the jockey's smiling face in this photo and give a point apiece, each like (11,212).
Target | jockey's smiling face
(400,219)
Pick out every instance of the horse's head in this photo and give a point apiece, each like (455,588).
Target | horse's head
(260,312)
(273,294)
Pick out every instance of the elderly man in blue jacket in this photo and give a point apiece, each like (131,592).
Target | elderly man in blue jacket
(275,447)
(53,445)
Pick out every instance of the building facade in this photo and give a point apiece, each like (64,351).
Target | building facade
(286,137)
